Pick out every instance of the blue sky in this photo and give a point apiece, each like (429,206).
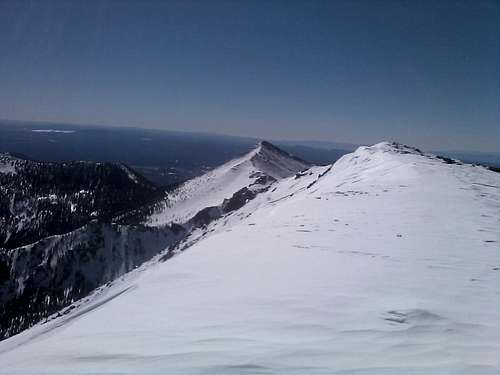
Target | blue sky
(425,73)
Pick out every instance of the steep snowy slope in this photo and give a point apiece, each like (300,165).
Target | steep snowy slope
(386,263)
(262,166)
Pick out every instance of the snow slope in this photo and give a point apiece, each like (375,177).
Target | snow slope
(210,189)
(386,263)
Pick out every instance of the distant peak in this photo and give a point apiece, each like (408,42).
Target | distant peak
(398,149)
(265,146)
(276,162)
(392,147)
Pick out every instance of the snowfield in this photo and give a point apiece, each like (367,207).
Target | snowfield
(386,263)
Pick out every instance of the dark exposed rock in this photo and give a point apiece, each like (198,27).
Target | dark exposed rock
(205,216)
(447,160)
(238,200)
(263,180)
(405,149)
(4,268)
(319,176)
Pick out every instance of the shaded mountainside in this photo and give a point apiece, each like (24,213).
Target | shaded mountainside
(39,199)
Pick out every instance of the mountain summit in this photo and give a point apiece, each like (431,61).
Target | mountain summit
(275,162)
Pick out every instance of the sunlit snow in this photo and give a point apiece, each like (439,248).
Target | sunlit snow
(387,263)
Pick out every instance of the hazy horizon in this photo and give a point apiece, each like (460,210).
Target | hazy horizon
(421,73)
(334,143)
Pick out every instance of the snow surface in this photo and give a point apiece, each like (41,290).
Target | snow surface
(387,263)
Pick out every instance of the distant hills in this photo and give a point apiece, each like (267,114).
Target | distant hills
(164,157)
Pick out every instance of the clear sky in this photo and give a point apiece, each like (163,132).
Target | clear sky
(425,73)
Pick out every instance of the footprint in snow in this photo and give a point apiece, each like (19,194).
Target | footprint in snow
(301,247)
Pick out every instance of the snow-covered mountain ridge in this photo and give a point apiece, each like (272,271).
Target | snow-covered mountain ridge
(387,262)
(254,170)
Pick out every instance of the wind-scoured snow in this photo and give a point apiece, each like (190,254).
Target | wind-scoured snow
(213,187)
(386,263)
